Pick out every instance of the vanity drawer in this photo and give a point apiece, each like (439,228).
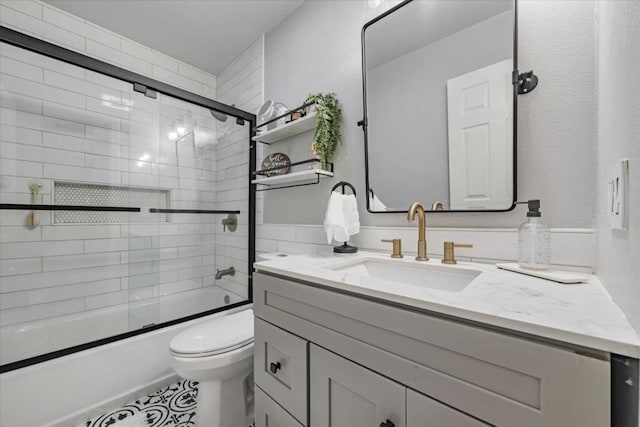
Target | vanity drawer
(280,366)
(270,414)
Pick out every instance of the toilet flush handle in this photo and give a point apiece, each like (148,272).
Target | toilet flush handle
(274,367)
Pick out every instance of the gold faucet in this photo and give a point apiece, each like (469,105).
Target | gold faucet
(422,225)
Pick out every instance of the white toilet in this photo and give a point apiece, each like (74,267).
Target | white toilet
(219,355)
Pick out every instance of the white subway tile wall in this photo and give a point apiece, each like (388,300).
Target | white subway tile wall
(49,23)
(61,123)
(240,83)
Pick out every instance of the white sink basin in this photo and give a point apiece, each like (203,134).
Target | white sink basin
(430,276)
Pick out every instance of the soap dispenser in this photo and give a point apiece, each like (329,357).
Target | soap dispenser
(534,240)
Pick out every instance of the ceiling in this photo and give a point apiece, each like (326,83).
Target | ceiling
(208,34)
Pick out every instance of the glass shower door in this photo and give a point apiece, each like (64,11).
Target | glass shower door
(62,137)
(120,211)
(146,187)
(174,258)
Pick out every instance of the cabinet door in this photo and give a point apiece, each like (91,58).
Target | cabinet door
(425,412)
(344,394)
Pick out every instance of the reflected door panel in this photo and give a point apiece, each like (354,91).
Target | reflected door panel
(480,138)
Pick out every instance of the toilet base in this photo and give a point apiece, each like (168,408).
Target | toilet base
(227,403)
(223,369)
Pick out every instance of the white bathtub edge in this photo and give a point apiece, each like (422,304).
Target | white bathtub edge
(64,388)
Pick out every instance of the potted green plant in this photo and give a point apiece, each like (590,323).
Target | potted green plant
(328,121)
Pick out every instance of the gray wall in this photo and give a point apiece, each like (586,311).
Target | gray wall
(556,149)
(407,110)
(618,138)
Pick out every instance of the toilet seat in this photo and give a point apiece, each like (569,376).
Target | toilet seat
(217,336)
(211,352)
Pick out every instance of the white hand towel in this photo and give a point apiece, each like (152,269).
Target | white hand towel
(341,219)
(334,219)
(352,218)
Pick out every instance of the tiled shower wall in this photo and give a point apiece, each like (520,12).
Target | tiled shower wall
(54,25)
(240,83)
(63,123)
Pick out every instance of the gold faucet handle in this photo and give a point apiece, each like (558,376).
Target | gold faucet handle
(449,254)
(397,247)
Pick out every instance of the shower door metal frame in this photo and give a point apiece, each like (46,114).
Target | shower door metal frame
(33,44)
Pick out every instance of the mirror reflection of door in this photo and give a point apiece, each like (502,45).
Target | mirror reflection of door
(415,142)
(480,138)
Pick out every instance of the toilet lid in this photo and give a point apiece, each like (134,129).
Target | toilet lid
(215,336)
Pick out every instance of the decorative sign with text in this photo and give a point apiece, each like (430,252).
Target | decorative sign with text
(276,160)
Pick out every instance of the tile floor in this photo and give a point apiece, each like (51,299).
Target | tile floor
(171,406)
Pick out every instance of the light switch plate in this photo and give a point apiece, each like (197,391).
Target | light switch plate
(617,195)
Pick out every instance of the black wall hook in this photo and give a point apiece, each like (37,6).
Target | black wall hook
(527,82)
(344,184)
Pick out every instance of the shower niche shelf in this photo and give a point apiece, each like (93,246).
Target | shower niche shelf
(293,128)
(293,179)
(76,193)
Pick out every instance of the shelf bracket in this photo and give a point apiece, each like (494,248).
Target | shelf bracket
(317,181)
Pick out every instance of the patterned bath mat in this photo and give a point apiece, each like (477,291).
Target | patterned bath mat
(172,406)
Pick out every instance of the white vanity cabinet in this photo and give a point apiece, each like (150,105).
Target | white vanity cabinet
(355,361)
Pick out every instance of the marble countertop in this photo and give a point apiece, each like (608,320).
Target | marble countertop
(580,314)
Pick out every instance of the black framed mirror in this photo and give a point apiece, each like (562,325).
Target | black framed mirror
(440,87)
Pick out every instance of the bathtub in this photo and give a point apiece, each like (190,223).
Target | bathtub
(30,339)
(69,390)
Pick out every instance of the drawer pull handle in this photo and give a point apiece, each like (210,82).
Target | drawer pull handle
(387,424)
(273,367)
